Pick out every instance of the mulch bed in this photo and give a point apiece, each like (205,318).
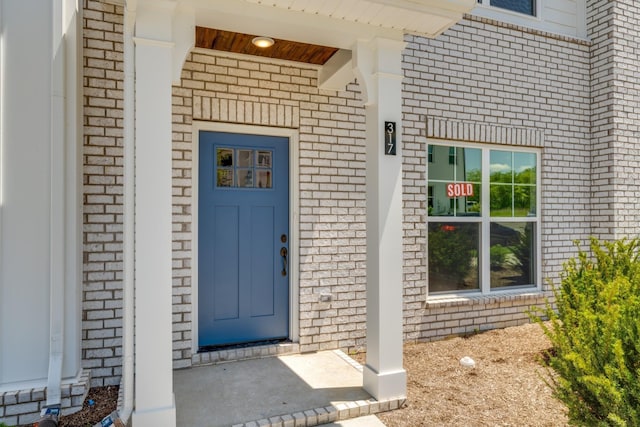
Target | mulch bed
(105,401)
(506,388)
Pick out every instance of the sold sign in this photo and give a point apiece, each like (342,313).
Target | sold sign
(459,189)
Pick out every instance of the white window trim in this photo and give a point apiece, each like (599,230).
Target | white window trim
(485,224)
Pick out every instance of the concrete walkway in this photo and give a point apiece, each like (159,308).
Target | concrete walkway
(300,389)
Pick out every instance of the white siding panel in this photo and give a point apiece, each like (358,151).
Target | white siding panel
(556,16)
(564,20)
(561,12)
(567,6)
(24,263)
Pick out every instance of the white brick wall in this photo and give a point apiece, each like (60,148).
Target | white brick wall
(102,289)
(490,82)
(480,81)
(22,407)
(615,115)
(515,86)
(251,91)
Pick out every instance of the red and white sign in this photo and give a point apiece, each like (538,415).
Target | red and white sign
(459,189)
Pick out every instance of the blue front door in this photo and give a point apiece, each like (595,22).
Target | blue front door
(243,238)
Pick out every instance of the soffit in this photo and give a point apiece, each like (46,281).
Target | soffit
(230,41)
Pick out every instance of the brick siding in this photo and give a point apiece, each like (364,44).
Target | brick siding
(517,87)
(251,91)
(615,116)
(480,81)
(22,407)
(102,237)
(479,73)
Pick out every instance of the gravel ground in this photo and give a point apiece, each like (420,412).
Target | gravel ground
(506,387)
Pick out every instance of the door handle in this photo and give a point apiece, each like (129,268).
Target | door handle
(283,254)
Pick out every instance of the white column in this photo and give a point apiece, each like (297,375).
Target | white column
(378,67)
(154,400)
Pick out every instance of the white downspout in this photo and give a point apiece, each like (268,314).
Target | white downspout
(128,214)
(57,208)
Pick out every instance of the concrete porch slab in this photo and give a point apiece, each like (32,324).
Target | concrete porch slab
(301,389)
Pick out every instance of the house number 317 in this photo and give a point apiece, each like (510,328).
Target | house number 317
(390,138)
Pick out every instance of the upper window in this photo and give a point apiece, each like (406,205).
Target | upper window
(527,7)
(482,220)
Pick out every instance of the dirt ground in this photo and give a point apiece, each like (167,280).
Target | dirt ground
(506,387)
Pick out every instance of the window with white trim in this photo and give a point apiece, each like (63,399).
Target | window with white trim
(483,219)
(527,7)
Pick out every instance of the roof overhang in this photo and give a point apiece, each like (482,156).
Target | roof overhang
(337,24)
(334,23)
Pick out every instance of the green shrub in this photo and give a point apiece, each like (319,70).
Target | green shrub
(595,335)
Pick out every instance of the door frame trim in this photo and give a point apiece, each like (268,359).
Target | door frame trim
(294,216)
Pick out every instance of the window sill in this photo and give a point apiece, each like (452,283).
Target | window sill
(533,295)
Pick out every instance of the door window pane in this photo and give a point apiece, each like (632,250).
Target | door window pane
(245,178)
(453,256)
(224,157)
(244,168)
(245,158)
(263,159)
(263,179)
(225,177)
(512,254)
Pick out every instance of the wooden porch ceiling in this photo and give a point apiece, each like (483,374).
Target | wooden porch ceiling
(228,41)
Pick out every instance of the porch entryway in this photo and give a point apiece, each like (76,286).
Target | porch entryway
(293,389)
(158,35)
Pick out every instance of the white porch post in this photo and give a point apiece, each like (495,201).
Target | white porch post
(154,400)
(378,67)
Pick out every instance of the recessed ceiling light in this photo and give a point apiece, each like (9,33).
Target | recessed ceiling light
(263,42)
